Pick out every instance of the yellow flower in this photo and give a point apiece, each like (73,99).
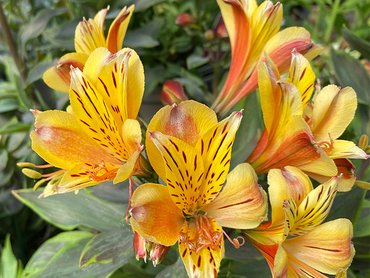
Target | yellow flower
(89,35)
(100,139)
(295,243)
(253,31)
(191,209)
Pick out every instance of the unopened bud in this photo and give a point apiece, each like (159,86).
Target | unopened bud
(139,246)
(220,29)
(209,35)
(172,92)
(31,173)
(184,19)
(157,253)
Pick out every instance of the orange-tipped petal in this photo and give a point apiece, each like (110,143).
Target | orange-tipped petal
(333,110)
(327,248)
(58,76)
(118,28)
(187,121)
(154,215)
(242,204)
(59,139)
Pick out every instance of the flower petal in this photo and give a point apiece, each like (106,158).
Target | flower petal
(100,17)
(187,121)
(154,215)
(302,76)
(184,170)
(58,76)
(327,248)
(59,139)
(346,149)
(205,262)
(88,36)
(242,204)
(333,110)
(314,208)
(118,28)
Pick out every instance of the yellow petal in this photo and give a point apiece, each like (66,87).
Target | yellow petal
(118,28)
(215,149)
(128,168)
(333,110)
(184,171)
(88,36)
(327,248)
(187,121)
(131,135)
(346,149)
(242,204)
(100,18)
(58,76)
(280,268)
(205,262)
(59,139)
(302,76)
(154,215)
(94,115)
(287,183)
(314,208)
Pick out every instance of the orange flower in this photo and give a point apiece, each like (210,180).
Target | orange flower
(253,31)
(89,35)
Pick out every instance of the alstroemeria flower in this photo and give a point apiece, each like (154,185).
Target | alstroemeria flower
(192,209)
(287,139)
(89,35)
(253,31)
(100,139)
(328,114)
(295,243)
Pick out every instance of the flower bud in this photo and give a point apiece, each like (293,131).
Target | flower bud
(157,253)
(172,92)
(220,29)
(139,246)
(184,19)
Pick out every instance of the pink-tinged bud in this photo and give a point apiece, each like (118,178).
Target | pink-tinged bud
(139,247)
(157,253)
(184,19)
(220,29)
(172,92)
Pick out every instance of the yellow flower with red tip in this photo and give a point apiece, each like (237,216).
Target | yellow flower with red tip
(100,139)
(89,35)
(253,32)
(194,161)
(296,242)
(302,133)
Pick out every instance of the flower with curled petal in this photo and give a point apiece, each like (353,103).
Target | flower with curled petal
(89,35)
(100,139)
(191,209)
(254,31)
(296,242)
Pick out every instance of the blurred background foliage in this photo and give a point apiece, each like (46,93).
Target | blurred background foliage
(39,237)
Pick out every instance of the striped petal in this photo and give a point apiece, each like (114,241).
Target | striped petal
(346,149)
(184,170)
(59,139)
(154,215)
(302,76)
(118,28)
(333,110)
(88,36)
(327,248)
(58,77)
(314,208)
(205,262)
(215,149)
(187,121)
(242,204)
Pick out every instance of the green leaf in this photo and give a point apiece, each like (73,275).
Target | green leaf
(176,270)
(247,269)
(8,263)
(69,211)
(14,127)
(8,104)
(350,72)
(362,227)
(113,247)
(142,5)
(195,60)
(137,39)
(37,72)
(357,43)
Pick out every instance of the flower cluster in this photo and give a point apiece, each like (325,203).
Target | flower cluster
(190,193)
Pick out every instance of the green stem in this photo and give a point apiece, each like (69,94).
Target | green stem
(329,30)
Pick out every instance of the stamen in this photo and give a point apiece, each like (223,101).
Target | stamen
(235,241)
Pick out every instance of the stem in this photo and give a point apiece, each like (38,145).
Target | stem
(11,44)
(334,13)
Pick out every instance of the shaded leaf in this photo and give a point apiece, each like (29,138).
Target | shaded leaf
(72,210)
(8,263)
(357,43)
(8,104)
(362,227)
(37,72)
(136,40)
(142,5)
(176,270)
(194,61)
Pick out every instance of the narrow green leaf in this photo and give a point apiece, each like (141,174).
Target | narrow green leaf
(194,61)
(136,40)
(110,247)
(37,71)
(357,43)
(8,104)
(350,72)
(68,211)
(176,270)
(8,263)
(142,5)
(14,127)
